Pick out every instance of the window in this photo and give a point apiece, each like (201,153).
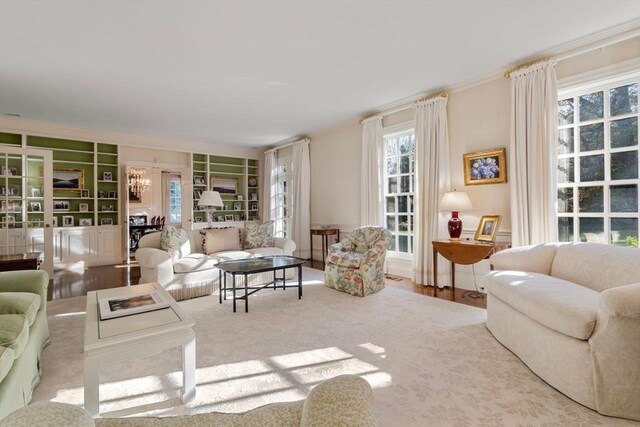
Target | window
(398,189)
(283,198)
(597,175)
(175,200)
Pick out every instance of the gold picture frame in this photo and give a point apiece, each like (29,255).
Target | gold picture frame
(485,167)
(488,228)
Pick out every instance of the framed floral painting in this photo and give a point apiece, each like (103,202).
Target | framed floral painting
(485,167)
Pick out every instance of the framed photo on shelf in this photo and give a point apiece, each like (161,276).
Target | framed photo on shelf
(83,207)
(61,205)
(84,193)
(253,196)
(106,208)
(224,185)
(228,217)
(36,192)
(102,194)
(107,176)
(220,218)
(237,218)
(488,228)
(199,180)
(253,206)
(240,197)
(106,221)
(67,220)
(237,206)
(68,179)
(85,222)
(113,195)
(197,194)
(485,167)
(35,206)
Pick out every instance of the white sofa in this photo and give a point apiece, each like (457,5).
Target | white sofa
(571,313)
(194,273)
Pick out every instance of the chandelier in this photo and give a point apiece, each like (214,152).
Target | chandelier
(138,184)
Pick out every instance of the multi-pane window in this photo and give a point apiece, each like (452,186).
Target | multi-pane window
(398,189)
(598,164)
(283,198)
(175,200)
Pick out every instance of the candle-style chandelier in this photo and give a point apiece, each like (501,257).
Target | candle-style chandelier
(138,184)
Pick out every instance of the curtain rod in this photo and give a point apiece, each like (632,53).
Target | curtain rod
(412,104)
(288,144)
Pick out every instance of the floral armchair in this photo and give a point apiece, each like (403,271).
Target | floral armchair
(356,264)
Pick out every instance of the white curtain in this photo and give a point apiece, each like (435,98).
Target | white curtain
(269,184)
(165,185)
(301,198)
(432,180)
(532,158)
(371,192)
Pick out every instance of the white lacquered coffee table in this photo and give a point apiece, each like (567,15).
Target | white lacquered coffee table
(135,336)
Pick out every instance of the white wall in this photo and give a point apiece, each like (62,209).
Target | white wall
(478,120)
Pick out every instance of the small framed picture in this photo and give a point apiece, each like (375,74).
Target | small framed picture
(253,196)
(36,192)
(253,206)
(220,218)
(106,176)
(11,221)
(199,180)
(237,206)
(487,228)
(67,220)
(228,217)
(84,193)
(55,221)
(113,195)
(102,194)
(237,218)
(61,205)
(107,208)
(485,167)
(106,221)
(35,206)
(83,207)
(240,197)
(198,219)
(14,190)
(85,222)
(13,171)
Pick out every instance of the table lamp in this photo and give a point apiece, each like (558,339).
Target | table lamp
(209,200)
(455,201)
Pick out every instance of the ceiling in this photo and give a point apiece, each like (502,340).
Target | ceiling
(253,73)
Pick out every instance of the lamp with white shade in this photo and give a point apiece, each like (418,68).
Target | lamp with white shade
(455,201)
(209,200)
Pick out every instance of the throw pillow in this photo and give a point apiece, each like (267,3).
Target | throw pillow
(258,235)
(175,241)
(220,239)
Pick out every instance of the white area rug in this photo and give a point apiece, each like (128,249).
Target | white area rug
(431,362)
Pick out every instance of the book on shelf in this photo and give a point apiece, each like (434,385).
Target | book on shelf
(118,306)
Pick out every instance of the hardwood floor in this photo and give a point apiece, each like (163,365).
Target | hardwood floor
(77,282)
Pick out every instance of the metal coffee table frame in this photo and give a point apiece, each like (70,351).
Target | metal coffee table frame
(246,267)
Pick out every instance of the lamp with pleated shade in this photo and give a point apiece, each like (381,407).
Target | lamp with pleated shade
(208,201)
(455,201)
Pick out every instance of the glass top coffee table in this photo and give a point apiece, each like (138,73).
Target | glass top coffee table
(245,267)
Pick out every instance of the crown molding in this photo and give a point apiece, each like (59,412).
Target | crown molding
(57,130)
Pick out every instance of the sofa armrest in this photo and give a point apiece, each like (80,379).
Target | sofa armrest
(287,245)
(534,259)
(32,281)
(151,257)
(156,265)
(345,400)
(623,301)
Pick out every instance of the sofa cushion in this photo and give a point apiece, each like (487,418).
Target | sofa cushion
(258,252)
(345,259)
(560,305)
(597,266)
(220,239)
(535,258)
(194,262)
(24,303)
(14,332)
(231,255)
(7,356)
(175,241)
(258,235)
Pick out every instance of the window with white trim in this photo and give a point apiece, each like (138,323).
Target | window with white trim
(597,176)
(283,198)
(399,151)
(175,200)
